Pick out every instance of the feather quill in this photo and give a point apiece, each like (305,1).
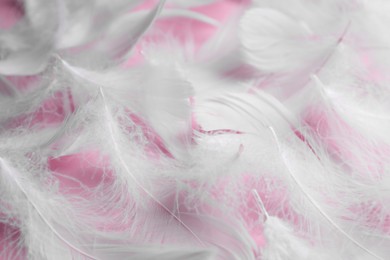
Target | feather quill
(168,154)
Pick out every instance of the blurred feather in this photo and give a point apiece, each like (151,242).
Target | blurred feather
(191,3)
(120,36)
(275,42)
(259,133)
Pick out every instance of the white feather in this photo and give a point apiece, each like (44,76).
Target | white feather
(275,42)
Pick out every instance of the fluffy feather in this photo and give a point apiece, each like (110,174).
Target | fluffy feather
(259,133)
(275,42)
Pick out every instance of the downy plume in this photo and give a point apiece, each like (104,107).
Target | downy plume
(205,129)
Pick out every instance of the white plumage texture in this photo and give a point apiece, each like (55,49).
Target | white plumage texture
(181,129)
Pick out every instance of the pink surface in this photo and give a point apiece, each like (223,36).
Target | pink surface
(85,169)
(78,171)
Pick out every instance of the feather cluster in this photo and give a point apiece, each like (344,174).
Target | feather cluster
(181,129)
